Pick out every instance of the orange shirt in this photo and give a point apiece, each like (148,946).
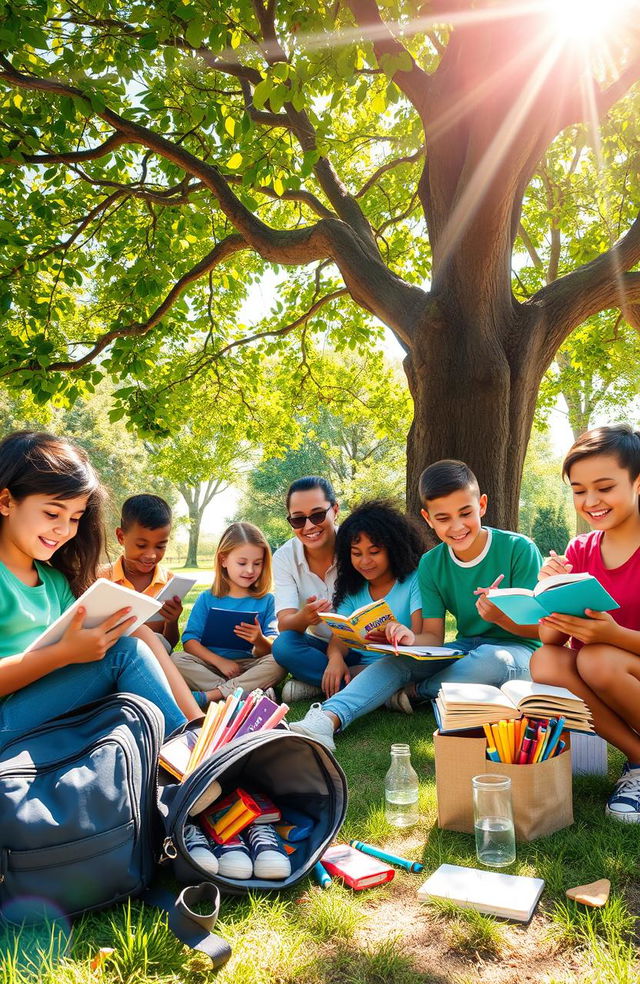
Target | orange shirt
(115,572)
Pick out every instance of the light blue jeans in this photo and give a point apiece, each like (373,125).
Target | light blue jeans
(305,656)
(128,667)
(486,661)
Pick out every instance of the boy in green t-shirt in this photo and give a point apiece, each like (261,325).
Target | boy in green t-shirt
(453,577)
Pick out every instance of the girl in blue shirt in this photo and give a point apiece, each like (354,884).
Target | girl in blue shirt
(242,582)
(377,553)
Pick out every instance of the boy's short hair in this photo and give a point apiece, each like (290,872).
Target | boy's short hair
(444,477)
(150,511)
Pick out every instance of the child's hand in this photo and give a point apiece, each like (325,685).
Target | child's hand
(485,608)
(80,645)
(250,632)
(171,610)
(377,635)
(554,564)
(228,667)
(312,607)
(399,635)
(596,627)
(336,671)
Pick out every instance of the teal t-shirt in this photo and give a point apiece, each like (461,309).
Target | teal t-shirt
(403,599)
(25,612)
(447,584)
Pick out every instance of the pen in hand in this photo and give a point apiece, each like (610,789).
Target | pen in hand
(495,584)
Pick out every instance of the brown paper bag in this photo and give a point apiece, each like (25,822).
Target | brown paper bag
(542,793)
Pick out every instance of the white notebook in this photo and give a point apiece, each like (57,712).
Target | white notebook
(510,896)
(102,599)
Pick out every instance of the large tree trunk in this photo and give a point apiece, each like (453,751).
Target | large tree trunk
(474,399)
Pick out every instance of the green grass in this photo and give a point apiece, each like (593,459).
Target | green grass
(310,936)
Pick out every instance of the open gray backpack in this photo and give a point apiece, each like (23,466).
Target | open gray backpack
(84,820)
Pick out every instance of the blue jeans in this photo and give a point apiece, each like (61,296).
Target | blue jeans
(128,667)
(305,656)
(486,661)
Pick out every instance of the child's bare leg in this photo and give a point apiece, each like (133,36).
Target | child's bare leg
(562,667)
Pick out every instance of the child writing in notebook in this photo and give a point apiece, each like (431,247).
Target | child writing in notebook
(598,656)
(51,538)
(242,579)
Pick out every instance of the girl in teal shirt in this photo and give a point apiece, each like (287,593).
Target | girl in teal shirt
(51,539)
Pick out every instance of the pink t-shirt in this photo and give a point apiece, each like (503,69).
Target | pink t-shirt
(622,583)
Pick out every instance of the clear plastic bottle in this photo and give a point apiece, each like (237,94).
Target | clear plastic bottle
(401,789)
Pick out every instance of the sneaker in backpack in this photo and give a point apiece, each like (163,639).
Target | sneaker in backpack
(234,860)
(270,860)
(624,802)
(199,848)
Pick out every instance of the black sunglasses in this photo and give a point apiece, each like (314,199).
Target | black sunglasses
(317,517)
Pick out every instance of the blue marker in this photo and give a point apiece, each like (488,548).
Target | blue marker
(413,866)
(322,875)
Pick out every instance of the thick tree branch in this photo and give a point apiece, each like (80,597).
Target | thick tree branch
(596,286)
(92,153)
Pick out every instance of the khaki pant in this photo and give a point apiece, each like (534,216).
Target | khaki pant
(257,672)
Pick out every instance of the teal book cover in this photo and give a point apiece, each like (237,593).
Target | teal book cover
(567,594)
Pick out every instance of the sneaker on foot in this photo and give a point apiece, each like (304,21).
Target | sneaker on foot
(199,848)
(316,724)
(271,694)
(624,802)
(234,860)
(269,857)
(299,690)
(399,702)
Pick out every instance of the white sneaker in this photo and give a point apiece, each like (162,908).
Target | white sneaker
(624,802)
(299,690)
(316,724)
(271,694)
(234,860)
(399,702)
(197,844)
(267,853)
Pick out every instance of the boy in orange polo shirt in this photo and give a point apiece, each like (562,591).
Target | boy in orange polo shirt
(145,527)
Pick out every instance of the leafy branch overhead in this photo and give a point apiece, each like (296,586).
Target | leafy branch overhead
(158,160)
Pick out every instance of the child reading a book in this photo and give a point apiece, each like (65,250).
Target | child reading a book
(304,571)
(242,578)
(143,534)
(377,553)
(455,576)
(596,657)
(51,539)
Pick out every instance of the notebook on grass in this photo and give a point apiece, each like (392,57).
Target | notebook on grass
(492,892)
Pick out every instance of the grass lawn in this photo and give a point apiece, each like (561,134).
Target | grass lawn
(310,936)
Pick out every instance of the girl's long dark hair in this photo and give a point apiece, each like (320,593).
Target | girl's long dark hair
(34,463)
(385,526)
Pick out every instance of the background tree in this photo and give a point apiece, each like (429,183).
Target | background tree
(550,529)
(159,158)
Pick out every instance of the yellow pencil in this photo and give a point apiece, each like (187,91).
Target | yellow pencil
(497,736)
(504,735)
(511,735)
(488,733)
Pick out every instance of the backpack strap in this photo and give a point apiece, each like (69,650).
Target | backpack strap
(193,928)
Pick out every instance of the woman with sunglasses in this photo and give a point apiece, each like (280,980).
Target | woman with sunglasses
(304,572)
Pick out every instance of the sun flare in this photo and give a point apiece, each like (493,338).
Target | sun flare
(588,21)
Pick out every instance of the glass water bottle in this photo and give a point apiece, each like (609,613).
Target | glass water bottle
(401,789)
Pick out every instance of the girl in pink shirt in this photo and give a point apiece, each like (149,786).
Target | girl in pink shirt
(601,663)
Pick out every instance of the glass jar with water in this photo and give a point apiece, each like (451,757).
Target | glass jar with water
(493,820)
(401,789)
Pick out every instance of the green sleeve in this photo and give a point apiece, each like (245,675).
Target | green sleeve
(432,601)
(527,562)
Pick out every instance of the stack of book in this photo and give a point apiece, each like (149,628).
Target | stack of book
(225,720)
(461,706)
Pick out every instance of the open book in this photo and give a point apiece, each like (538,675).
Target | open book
(567,594)
(460,706)
(102,599)
(353,628)
(509,896)
(416,652)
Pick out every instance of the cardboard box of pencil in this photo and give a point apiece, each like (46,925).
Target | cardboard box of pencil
(519,731)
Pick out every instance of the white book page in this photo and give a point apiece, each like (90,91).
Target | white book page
(516,690)
(557,580)
(473,693)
